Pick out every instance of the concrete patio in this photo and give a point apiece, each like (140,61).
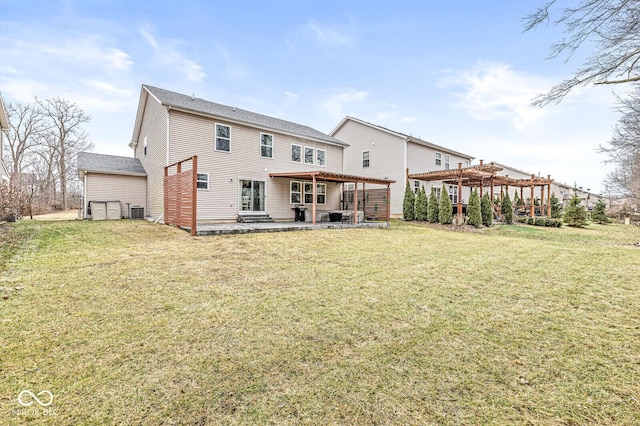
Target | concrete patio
(246,228)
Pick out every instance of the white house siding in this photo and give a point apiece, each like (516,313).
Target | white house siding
(386,157)
(526,191)
(154,128)
(192,134)
(422,159)
(126,189)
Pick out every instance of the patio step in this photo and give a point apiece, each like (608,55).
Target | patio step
(255,218)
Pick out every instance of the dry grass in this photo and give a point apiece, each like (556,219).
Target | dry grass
(135,323)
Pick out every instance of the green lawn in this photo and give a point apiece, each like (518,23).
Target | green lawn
(135,323)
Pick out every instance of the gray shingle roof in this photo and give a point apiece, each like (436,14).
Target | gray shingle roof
(188,103)
(113,164)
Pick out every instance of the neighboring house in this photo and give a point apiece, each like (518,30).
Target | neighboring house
(114,179)
(247,164)
(379,152)
(565,192)
(4,127)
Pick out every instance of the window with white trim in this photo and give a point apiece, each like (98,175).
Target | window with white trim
(144,144)
(266,145)
(321,193)
(309,154)
(202,180)
(438,159)
(296,153)
(467,163)
(365,159)
(416,186)
(321,157)
(453,194)
(446,162)
(295,192)
(438,191)
(223,138)
(308,192)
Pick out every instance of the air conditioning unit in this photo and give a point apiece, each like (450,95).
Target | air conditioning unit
(136,212)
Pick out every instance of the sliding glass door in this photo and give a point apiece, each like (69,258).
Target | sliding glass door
(252,195)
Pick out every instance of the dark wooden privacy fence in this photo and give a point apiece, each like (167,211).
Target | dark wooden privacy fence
(180,194)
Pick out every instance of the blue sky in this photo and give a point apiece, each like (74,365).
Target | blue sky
(459,74)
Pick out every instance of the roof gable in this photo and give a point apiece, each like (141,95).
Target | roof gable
(404,136)
(200,106)
(4,120)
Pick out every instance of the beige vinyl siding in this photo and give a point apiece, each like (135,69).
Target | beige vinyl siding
(154,128)
(422,159)
(386,157)
(126,189)
(192,134)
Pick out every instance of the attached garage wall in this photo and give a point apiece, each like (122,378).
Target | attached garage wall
(126,189)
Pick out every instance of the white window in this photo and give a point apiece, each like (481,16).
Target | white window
(202,181)
(446,162)
(223,138)
(416,186)
(266,145)
(321,157)
(453,194)
(144,144)
(296,153)
(309,154)
(308,192)
(365,159)
(296,192)
(467,163)
(321,193)
(438,190)
(438,159)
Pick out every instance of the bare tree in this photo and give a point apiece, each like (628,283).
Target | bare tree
(624,149)
(612,27)
(26,126)
(67,137)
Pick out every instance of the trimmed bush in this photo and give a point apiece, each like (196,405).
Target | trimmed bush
(506,209)
(421,205)
(486,210)
(474,211)
(432,207)
(408,205)
(445,209)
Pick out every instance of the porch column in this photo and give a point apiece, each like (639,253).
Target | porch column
(459,192)
(542,200)
(549,197)
(492,192)
(364,199)
(533,209)
(522,199)
(355,202)
(481,186)
(313,205)
(388,203)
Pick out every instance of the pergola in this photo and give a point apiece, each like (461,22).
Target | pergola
(322,176)
(483,175)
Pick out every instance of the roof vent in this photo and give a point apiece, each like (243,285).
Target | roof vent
(193,96)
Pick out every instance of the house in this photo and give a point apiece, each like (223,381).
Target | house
(110,178)
(216,163)
(4,127)
(380,152)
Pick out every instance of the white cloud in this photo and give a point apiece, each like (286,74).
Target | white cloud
(327,35)
(167,53)
(335,105)
(494,91)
